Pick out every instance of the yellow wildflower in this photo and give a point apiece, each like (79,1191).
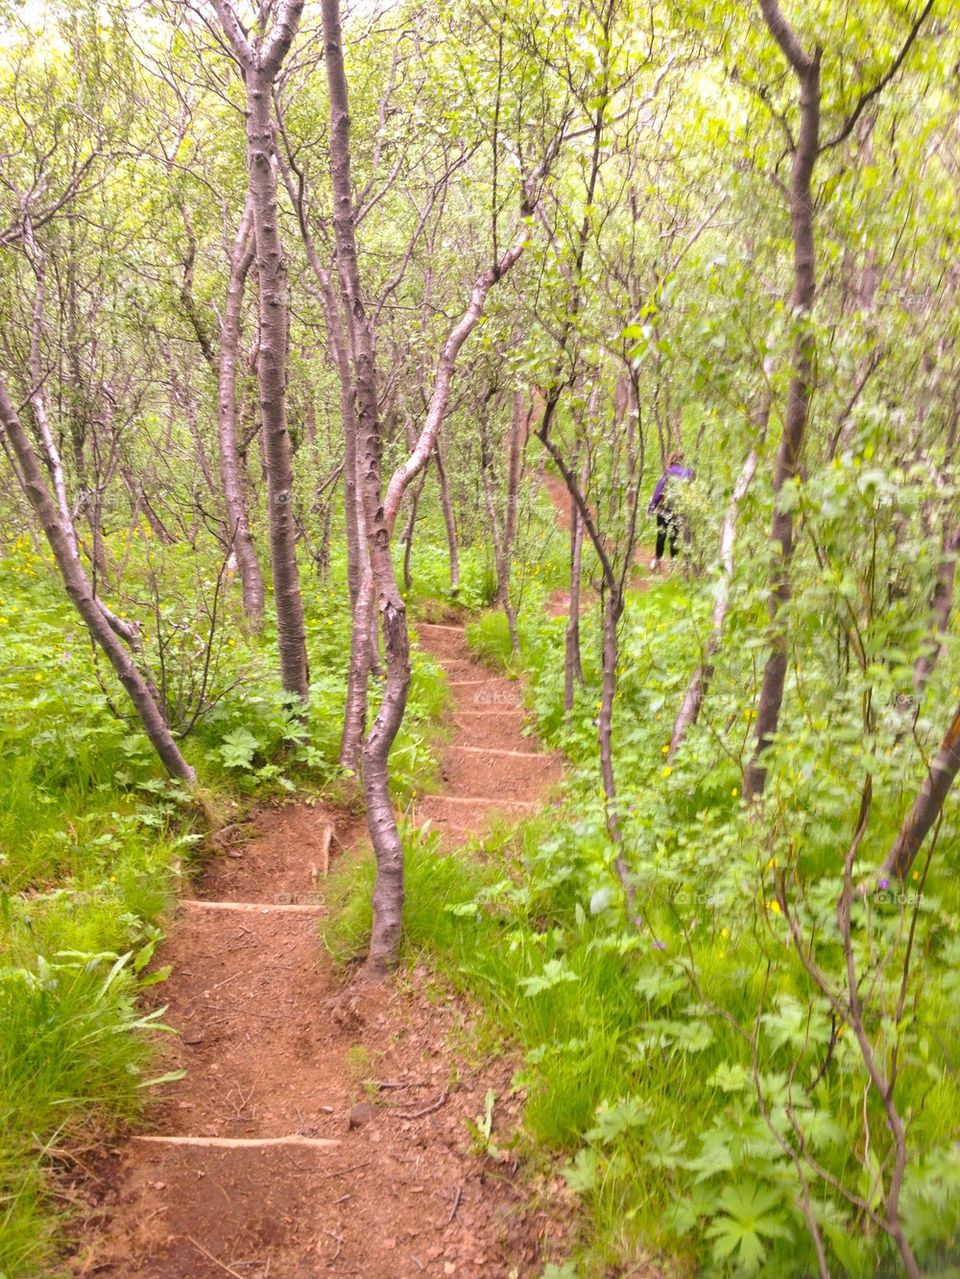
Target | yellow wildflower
(666,770)
(774,906)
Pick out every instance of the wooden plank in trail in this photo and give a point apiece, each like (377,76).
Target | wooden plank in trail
(253,908)
(482,801)
(240,1143)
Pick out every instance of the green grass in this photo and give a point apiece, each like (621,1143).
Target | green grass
(94,840)
(634,1034)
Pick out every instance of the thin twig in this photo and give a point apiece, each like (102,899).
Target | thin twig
(427,1110)
(457,1196)
(210,1257)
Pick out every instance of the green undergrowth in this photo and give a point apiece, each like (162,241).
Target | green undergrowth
(94,840)
(674,1057)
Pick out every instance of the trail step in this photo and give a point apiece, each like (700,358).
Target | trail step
(490,802)
(439,626)
(498,710)
(240,1143)
(471,683)
(259,908)
(498,751)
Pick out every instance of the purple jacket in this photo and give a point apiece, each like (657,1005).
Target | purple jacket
(674,472)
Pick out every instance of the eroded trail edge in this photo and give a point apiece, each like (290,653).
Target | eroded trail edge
(317,1130)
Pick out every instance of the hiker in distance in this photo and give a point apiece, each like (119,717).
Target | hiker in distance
(662,503)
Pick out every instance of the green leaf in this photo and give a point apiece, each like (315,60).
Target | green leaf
(238,748)
(553,974)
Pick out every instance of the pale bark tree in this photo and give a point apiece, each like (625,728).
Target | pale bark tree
(807,147)
(260,59)
(696,690)
(388,894)
(381,508)
(806,69)
(78,586)
(928,805)
(223,364)
(572,663)
(231,468)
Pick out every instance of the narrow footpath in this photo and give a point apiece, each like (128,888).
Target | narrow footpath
(321,1130)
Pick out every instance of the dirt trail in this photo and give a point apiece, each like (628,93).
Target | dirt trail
(643,553)
(320,1131)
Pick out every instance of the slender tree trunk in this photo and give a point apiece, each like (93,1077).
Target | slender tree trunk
(363,647)
(78,587)
(38,401)
(505,559)
(941,606)
(380,516)
(572,665)
(449,522)
(140,502)
(407,536)
(388,893)
(272,374)
(612,610)
(942,599)
(807,71)
(928,805)
(696,691)
(231,471)
(261,61)
(363,631)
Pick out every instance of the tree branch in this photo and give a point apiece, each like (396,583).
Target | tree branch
(881,84)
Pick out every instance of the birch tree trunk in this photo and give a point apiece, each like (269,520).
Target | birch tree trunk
(388,893)
(359,579)
(696,690)
(260,62)
(928,805)
(572,665)
(80,590)
(231,471)
(806,68)
(38,402)
(449,522)
(505,558)
(380,515)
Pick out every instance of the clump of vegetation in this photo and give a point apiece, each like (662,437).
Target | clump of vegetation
(634,343)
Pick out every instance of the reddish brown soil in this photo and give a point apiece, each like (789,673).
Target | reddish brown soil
(491,770)
(640,575)
(274,1044)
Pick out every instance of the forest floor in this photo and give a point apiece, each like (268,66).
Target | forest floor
(641,577)
(321,1125)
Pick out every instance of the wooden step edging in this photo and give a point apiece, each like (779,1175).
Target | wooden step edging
(478,683)
(240,1143)
(481,801)
(261,908)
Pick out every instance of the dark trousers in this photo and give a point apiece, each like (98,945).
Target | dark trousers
(667,527)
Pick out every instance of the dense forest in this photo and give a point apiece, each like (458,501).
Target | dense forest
(478,529)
